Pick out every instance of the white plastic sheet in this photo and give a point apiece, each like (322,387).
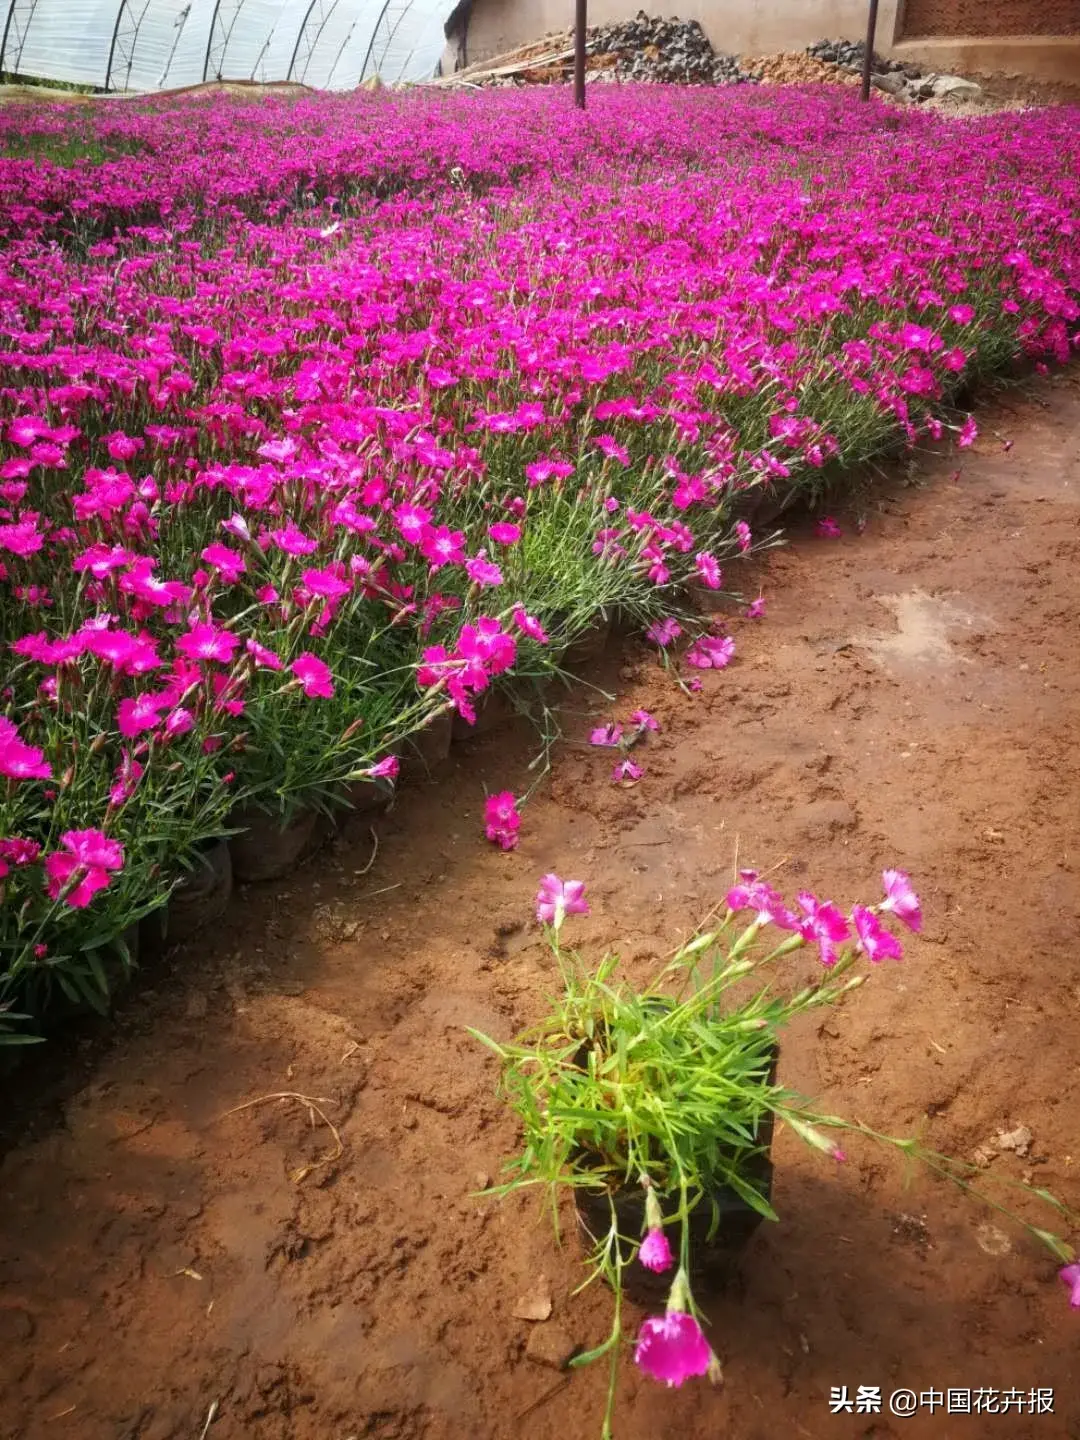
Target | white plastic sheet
(143,45)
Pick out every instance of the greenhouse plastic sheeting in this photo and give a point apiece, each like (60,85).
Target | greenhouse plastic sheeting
(165,44)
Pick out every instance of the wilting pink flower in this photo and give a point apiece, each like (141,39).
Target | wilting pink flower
(208,642)
(127,775)
(901,899)
(708,570)
(644,720)
(711,652)
(501,819)
(1070,1278)
(671,1348)
(824,925)
(968,434)
(606,735)
(385,769)
(875,941)
(742,535)
(663,632)
(314,676)
(19,761)
(20,851)
(756,608)
(504,533)
(627,772)
(654,1252)
(828,528)
(556,899)
(529,625)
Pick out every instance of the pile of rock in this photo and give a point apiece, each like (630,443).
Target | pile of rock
(900,78)
(663,51)
(794,68)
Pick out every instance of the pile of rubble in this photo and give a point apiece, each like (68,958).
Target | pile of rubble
(663,51)
(647,48)
(899,78)
(795,68)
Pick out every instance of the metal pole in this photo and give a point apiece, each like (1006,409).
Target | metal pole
(868,57)
(580,22)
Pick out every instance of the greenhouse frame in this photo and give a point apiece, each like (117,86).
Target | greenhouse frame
(147,45)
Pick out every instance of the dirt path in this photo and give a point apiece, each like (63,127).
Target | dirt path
(910,700)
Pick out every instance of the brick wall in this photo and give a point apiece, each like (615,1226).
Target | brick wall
(990,17)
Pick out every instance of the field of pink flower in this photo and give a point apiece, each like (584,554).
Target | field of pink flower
(319,417)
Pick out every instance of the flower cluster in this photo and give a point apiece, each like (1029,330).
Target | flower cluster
(321,415)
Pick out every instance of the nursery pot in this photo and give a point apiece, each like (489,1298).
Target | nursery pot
(265,848)
(426,750)
(588,646)
(201,897)
(720,1225)
(494,708)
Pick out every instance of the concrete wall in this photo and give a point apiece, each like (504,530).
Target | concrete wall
(745,27)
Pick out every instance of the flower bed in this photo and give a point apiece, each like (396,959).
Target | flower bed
(318,417)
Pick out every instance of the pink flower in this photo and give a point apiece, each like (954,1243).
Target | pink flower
(626,772)
(208,642)
(968,434)
(827,528)
(708,570)
(672,1348)
(529,625)
(663,632)
(654,1252)
(756,608)
(314,676)
(292,540)
(91,855)
(19,761)
(179,722)
(385,769)
(504,533)
(743,536)
(645,721)
(141,713)
(442,546)
(556,899)
(754,894)
(20,851)
(711,652)
(481,571)
(264,658)
(875,941)
(824,925)
(606,735)
(501,819)
(326,584)
(1070,1277)
(411,520)
(229,563)
(901,899)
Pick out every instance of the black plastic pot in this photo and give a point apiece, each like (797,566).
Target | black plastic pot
(588,646)
(266,849)
(201,897)
(721,1224)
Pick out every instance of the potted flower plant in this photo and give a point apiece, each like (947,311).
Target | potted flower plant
(655,1106)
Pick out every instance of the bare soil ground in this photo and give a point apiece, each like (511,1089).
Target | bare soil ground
(910,700)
